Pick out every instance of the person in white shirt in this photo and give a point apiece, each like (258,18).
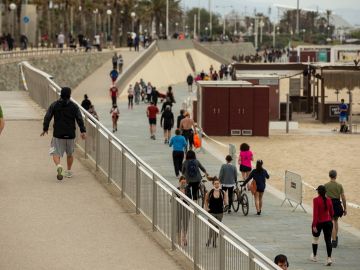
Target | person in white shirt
(61,41)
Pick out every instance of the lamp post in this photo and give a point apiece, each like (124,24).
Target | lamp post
(133,15)
(96,11)
(12,7)
(206,29)
(108,12)
(261,24)
(176,27)
(167,19)
(303,31)
(297,17)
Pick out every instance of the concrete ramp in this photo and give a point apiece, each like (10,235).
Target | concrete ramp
(172,67)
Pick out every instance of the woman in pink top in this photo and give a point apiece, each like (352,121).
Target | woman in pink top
(245,158)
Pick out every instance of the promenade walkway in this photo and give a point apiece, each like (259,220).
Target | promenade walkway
(73,224)
(277,230)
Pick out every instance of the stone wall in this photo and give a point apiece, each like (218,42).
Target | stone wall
(67,70)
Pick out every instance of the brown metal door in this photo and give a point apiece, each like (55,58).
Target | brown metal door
(216,111)
(241,108)
(261,111)
(274,102)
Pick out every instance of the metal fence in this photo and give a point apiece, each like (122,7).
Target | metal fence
(208,243)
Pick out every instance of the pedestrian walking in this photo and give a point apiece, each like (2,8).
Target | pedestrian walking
(23,41)
(114,74)
(228,179)
(166,103)
(170,95)
(115,61)
(186,127)
(154,95)
(322,214)
(179,118)
(167,123)
(191,170)
(86,103)
(2,121)
(130,97)
(178,144)
(120,63)
(151,113)
(190,81)
(136,43)
(97,42)
(93,112)
(137,92)
(215,201)
(65,113)
(183,215)
(114,93)
(282,261)
(259,175)
(335,191)
(115,113)
(245,158)
(211,69)
(149,90)
(61,41)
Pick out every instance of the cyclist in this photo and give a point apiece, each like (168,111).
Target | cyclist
(228,178)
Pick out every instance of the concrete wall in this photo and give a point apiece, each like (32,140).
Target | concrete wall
(67,70)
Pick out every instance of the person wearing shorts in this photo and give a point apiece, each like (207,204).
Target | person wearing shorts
(167,123)
(65,113)
(245,158)
(186,127)
(151,113)
(335,191)
(193,178)
(114,116)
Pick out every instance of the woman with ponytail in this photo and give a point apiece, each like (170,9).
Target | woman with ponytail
(322,221)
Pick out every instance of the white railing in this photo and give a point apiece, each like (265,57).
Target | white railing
(169,211)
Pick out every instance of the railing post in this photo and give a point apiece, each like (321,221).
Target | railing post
(123,172)
(154,204)
(196,224)
(97,154)
(173,220)
(110,159)
(86,139)
(221,249)
(137,203)
(251,261)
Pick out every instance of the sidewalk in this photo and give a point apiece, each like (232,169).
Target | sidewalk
(277,230)
(72,224)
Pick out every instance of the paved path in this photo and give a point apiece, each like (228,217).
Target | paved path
(73,224)
(278,230)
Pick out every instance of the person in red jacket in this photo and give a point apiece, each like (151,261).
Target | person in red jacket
(322,221)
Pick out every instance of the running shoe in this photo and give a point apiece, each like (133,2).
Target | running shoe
(328,262)
(313,258)
(68,174)
(334,243)
(59,170)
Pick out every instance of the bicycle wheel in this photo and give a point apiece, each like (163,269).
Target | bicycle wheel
(245,204)
(236,202)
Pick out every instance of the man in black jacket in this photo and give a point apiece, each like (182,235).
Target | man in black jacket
(65,113)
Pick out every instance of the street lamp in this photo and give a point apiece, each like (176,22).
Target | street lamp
(303,30)
(109,12)
(133,15)
(12,7)
(96,11)
(262,24)
(206,29)
(176,27)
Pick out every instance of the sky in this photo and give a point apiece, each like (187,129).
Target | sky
(348,9)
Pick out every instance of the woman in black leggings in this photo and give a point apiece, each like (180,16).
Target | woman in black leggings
(322,216)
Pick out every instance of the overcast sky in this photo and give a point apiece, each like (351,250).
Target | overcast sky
(348,9)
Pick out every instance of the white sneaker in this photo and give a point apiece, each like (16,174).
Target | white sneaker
(328,262)
(313,258)
(68,174)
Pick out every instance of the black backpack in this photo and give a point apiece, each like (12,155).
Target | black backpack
(192,168)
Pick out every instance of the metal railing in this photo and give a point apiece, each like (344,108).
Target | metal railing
(36,52)
(171,213)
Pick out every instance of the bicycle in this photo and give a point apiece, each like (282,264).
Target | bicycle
(202,189)
(240,197)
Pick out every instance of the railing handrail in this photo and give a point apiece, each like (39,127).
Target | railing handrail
(173,189)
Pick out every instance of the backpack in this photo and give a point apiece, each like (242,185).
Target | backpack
(192,168)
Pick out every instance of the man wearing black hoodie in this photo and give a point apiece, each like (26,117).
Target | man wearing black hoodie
(65,113)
